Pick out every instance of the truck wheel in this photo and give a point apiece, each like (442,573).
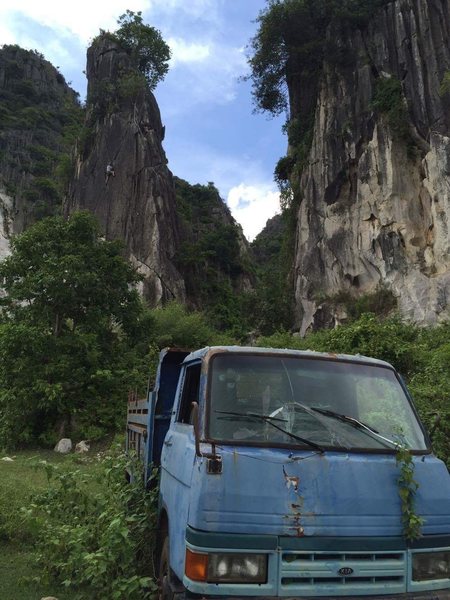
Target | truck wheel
(165,589)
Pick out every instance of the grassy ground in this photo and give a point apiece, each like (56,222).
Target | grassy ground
(18,481)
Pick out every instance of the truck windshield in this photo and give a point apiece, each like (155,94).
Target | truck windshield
(265,400)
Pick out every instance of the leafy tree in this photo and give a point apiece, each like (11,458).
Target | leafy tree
(174,325)
(70,331)
(149,51)
(290,41)
(290,32)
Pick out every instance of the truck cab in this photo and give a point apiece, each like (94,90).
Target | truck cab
(280,478)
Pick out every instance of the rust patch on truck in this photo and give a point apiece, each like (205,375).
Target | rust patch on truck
(294,517)
(291,481)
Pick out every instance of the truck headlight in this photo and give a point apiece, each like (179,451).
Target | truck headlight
(237,568)
(225,567)
(430,565)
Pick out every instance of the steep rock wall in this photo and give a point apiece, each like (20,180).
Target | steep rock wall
(375,206)
(137,205)
(36,108)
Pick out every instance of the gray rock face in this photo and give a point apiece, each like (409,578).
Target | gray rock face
(375,207)
(36,105)
(136,205)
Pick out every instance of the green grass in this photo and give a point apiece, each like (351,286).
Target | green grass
(16,573)
(19,481)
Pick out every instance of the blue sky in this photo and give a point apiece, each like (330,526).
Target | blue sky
(211,131)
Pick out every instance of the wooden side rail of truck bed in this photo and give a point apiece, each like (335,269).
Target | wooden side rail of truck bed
(137,425)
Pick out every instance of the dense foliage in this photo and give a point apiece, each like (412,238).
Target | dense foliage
(290,41)
(70,332)
(213,257)
(271,304)
(95,530)
(149,52)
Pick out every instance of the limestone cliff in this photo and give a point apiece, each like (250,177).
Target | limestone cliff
(214,256)
(38,112)
(374,196)
(137,203)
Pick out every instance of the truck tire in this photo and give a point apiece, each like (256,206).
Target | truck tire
(164,585)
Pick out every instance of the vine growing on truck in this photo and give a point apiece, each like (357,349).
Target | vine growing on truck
(407,488)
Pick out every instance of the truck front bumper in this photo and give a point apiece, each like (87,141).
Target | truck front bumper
(436,595)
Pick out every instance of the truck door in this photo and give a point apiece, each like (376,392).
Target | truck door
(160,406)
(177,461)
(163,397)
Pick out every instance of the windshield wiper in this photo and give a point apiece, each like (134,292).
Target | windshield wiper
(269,420)
(250,415)
(355,423)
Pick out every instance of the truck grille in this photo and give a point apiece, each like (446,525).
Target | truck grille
(339,574)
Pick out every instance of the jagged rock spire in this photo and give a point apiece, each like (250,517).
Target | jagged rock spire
(135,203)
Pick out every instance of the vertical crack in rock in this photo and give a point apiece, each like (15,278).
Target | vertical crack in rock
(375,204)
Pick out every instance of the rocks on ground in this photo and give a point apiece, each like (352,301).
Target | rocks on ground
(64,446)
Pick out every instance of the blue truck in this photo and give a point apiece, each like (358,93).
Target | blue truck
(279,478)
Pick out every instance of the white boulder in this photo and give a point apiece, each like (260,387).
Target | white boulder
(82,447)
(64,446)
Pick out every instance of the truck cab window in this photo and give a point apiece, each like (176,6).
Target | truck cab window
(191,385)
(262,399)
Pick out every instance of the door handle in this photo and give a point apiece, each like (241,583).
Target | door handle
(168,442)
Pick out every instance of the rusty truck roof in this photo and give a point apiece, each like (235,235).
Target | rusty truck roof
(209,351)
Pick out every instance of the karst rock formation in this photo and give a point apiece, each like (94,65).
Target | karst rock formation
(375,199)
(137,203)
(36,108)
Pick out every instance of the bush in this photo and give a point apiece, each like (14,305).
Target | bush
(175,326)
(283,169)
(389,100)
(96,532)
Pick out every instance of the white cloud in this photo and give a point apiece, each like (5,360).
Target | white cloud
(240,179)
(82,19)
(185,52)
(252,206)
(206,10)
(204,73)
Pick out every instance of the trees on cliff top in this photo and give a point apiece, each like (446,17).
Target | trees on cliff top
(148,50)
(290,41)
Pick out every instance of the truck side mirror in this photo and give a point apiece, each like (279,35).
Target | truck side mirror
(194,420)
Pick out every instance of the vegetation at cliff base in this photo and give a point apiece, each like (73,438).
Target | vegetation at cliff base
(213,256)
(75,336)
